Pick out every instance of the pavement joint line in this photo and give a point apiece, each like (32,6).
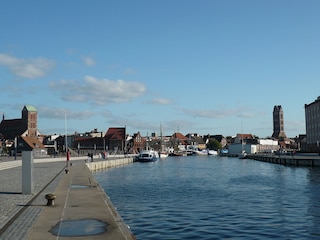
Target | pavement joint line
(64,208)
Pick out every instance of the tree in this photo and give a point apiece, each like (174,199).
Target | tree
(213,144)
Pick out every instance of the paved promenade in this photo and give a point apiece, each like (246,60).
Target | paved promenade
(78,198)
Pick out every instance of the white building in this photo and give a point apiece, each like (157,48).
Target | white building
(262,146)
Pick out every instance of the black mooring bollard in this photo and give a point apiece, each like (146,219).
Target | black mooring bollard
(50,197)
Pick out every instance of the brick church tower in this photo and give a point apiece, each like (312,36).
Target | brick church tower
(30,120)
(278,124)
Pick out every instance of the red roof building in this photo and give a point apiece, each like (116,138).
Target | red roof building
(115,139)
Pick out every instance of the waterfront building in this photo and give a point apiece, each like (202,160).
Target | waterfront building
(178,141)
(278,123)
(137,143)
(312,118)
(238,148)
(89,141)
(244,138)
(115,139)
(267,146)
(195,140)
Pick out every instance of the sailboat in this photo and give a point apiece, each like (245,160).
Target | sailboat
(163,153)
(243,154)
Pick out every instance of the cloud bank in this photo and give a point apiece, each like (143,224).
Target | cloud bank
(26,68)
(98,91)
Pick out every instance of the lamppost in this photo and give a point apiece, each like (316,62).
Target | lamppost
(66,132)
(66,137)
(15,147)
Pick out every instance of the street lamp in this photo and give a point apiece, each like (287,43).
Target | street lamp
(66,140)
(66,132)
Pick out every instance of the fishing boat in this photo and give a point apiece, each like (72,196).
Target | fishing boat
(148,156)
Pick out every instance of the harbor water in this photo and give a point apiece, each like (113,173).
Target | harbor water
(210,197)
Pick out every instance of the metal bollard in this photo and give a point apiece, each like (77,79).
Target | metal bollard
(50,197)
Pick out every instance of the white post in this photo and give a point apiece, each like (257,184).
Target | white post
(27,172)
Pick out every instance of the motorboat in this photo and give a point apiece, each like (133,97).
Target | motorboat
(148,156)
(201,152)
(212,152)
(224,151)
(163,155)
(176,154)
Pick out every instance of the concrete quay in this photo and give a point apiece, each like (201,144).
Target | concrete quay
(306,160)
(81,210)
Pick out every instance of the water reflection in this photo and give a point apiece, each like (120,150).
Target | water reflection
(79,228)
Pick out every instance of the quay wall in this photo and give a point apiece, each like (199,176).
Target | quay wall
(94,166)
(288,160)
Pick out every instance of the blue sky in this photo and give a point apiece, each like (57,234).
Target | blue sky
(193,66)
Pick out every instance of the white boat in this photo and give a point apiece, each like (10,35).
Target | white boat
(201,152)
(242,155)
(212,152)
(164,155)
(148,156)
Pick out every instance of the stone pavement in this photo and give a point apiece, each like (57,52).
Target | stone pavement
(15,216)
(28,217)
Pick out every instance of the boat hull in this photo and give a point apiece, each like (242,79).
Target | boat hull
(212,152)
(148,156)
(243,156)
(163,155)
(201,152)
(147,159)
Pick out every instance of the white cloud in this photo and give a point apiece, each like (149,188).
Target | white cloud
(26,68)
(60,113)
(160,101)
(89,61)
(129,71)
(98,91)
(220,113)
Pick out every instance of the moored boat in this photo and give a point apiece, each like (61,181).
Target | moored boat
(243,155)
(201,152)
(148,156)
(212,152)
(177,154)
(164,155)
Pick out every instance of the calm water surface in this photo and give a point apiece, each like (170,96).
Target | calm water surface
(215,198)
